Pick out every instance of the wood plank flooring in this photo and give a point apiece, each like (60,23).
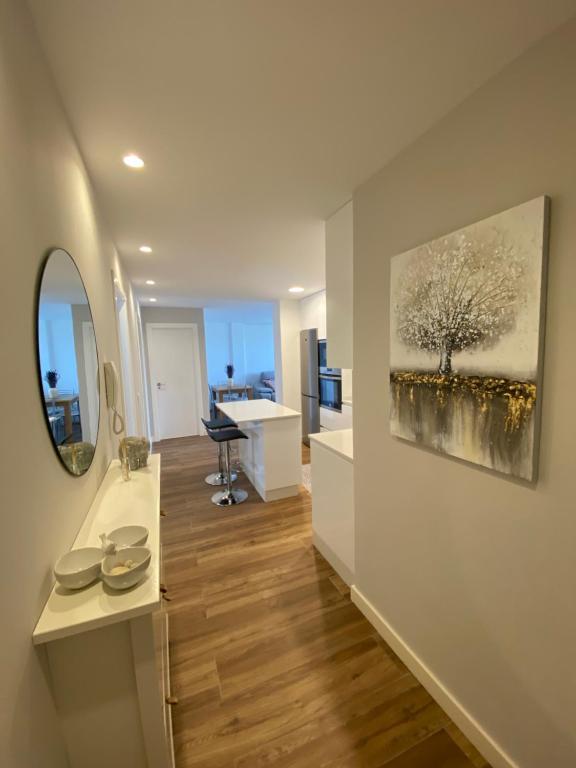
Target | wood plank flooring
(272,664)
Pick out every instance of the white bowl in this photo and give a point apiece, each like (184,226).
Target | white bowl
(79,567)
(139,555)
(129,536)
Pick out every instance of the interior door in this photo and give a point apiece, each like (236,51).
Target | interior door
(90,397)
(174,359)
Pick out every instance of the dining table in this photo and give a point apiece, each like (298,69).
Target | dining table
(66,402)
(221,390)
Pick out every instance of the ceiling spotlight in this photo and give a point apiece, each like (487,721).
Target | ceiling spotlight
(152,299)
(145,249)
(133,161)
(296,289)
(150,282)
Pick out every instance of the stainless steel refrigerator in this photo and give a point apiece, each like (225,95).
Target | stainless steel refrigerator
(309,383)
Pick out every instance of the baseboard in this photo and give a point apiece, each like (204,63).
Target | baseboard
(275,494)
(463,719)
(328,554)
(272,494)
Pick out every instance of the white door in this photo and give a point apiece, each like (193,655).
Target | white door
(175,379)
(126,366)
(90,429)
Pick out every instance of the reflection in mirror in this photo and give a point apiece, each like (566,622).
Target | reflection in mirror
(68,362)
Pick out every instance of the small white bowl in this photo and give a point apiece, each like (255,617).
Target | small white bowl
(79,567)
(129,536)
(139,555)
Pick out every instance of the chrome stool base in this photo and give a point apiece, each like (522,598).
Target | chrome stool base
(219,478)
(228,498)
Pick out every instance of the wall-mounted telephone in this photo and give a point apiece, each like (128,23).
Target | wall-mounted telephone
(111,384)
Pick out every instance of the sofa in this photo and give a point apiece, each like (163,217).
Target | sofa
(265,387)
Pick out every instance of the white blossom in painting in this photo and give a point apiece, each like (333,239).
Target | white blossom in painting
(458,292)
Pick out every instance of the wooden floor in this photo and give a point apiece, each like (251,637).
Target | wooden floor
(272,664)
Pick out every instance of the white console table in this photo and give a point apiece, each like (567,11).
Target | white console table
(108,650)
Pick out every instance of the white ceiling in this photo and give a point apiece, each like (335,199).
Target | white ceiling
(258,118)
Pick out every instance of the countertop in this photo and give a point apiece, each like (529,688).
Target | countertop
(347,401)
(256,410)
(339,441)
(135,502)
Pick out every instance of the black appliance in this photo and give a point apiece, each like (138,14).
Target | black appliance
(322,360)
(330,391)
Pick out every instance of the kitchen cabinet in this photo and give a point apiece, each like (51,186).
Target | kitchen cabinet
(332,460)
(339,287)
(335,420)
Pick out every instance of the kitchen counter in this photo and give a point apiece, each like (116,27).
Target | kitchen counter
(271,457)
(256,410)
(339,441)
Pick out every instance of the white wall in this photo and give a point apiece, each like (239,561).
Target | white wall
(476,573)
(313,313)
(45,200)
(287,353)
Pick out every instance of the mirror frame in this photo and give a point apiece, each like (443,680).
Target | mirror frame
(38,296)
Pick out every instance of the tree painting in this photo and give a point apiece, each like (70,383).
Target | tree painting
(465,325)
(456,293)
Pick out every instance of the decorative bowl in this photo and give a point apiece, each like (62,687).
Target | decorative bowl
(136,559)
(79,567)
(129,536)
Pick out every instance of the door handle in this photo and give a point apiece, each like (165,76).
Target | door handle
(159,385)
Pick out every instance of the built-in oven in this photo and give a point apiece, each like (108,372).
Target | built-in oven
(330,386)
(323,360)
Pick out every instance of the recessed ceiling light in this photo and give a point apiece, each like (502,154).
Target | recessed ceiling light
(150,282)
(145,249)
(133,161)
(152,299)
(296,289)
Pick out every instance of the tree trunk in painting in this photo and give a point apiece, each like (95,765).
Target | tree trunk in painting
(445,367)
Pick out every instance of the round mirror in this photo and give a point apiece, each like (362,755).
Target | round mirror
(67,362)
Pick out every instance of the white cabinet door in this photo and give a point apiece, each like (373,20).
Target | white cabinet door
(332,420)
(346,416)
(339,271)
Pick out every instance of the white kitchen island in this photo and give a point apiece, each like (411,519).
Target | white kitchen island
(271,457)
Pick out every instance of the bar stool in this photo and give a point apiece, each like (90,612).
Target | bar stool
(229,496)
(223,422)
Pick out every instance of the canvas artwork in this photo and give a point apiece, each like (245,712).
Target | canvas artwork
(466,325)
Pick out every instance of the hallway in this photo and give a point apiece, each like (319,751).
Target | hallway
(270,661)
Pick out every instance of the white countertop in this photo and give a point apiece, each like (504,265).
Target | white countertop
(256,410)
(338,441)
(118,502)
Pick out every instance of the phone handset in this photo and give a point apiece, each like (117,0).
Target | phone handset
(111,385)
